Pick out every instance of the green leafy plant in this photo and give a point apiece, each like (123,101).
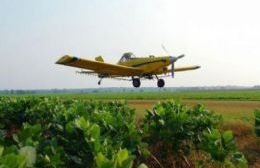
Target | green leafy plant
(14,157)
(53,133)
(121,159)
(257,123)
(67,133)
(222,148)
(178,132)
(178,128)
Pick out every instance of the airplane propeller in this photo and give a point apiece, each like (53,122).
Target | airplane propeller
(173,59)
(172,69)
(165,50)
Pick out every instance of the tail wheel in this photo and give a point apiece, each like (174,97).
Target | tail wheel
(160,83)
(136,82)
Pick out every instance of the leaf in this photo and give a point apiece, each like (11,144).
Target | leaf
(10,149)
(161,121)
(56,160)
(103,162)
(122,155)
(13,160)
(82,123)
(15,138)
(1,150)
(123,160)
(240,160)
(30,154)
(95,135)
(69,127)
(257,123)
(29,131)
(95,131)
(215,134)
(142,166)
(228,136)
(47,158)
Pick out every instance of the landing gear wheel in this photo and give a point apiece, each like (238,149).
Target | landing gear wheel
(136,82)
(160,83)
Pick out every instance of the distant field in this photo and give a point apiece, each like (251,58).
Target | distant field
(252,95)
(209,95)
(230,110)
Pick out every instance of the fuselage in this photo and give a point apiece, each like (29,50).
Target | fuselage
(149,65)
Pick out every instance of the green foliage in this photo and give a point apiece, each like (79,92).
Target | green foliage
(218,145)
(30,155)
(13,157)
(121,159)
(53,133)
(257,122)
(181,130)
(222,148)
(178,127)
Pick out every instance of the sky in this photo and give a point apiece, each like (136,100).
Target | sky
(221,36)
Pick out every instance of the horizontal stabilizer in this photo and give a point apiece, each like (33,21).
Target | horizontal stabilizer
(187,68)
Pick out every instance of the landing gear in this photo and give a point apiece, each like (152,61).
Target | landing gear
(99,82)
(136,82)
(160,83)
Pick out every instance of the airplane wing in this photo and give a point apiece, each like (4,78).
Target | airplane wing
(99,67)
(187,68)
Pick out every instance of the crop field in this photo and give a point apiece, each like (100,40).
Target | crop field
(132,130)
(232,104)
(250,95)
(230,110)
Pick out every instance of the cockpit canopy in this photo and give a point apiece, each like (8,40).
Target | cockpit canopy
(126,56)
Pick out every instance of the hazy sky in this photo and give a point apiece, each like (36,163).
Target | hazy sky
(223,36)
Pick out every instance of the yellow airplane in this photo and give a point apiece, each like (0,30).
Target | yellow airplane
(128,66)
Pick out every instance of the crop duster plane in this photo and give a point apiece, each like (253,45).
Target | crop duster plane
(129,67)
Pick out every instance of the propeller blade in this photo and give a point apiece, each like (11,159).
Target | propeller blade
(180,56)
(173,70)
(165,50)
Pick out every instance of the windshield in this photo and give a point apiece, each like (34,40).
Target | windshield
(126,56)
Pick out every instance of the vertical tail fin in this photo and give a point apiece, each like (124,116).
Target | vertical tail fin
(99,58)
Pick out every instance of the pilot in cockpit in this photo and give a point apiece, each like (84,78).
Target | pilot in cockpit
(126,56)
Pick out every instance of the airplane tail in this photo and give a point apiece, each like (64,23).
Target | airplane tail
(99,58)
